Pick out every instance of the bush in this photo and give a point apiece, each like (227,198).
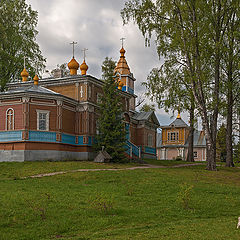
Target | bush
(178,158)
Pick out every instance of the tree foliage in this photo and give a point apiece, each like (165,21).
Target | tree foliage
(221,143)
(111,129)
(18,39)
(108,67)
(190,36)
(147,108)
(63,68)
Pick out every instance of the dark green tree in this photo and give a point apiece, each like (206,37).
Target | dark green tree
(108,66)
(111,129)
(18,39)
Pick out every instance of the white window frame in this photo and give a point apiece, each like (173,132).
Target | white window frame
(47,119)
(150,140)
(171,134)
(195,155)
(13,119)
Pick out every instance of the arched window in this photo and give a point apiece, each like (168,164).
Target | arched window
(10,119)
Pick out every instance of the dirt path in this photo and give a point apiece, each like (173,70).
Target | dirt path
(145,166)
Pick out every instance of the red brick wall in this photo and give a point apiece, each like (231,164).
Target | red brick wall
(18,116)
(142,137)
(68,121)
(133,134)
(33,116)
(44,146)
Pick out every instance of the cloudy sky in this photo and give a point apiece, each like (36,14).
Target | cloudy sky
(97,26)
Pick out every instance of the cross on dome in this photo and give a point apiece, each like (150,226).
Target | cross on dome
(24,61)
(84,53)
(73,43)
(122,39)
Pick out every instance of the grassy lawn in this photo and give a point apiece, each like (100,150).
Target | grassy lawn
(168,162)
(167,203)
(18,170)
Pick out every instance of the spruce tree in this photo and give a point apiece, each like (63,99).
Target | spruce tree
(110,123)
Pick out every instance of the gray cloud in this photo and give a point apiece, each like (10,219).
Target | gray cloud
(96,25)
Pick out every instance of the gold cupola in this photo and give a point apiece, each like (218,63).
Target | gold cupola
(84,68)
(35,79)
(24,75)
(120,85)
(122,66)
(73,66)
(178,116)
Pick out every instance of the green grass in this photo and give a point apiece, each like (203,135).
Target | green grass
(18,170)
(130,204)
(168,162)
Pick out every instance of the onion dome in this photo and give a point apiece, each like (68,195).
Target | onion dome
(35,79)
(73,66)
(24,75)
(178,116)
(84,68)
(120,85)
(122,51)
(122,66)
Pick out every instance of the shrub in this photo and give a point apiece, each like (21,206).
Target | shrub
(178,158)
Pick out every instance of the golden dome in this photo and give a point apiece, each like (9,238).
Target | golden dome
(122,51)
(122,66)
(120,85)
(24,75)
(36,79)
(178,116)
(73,66)
(84,68)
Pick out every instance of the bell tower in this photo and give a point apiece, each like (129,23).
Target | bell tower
(124,77)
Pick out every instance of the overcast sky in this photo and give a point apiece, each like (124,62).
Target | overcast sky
(97,26)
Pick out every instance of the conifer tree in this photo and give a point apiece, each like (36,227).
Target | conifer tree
(110,125)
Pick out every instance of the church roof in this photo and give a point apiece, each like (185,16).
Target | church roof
(178,122)
(146,116)
(30,89)
(122,66)
(199,139)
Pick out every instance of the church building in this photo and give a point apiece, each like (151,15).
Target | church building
(56,118)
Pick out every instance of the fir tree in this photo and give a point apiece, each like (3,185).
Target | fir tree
(110,125)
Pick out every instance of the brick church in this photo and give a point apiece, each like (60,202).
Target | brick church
(56,118)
